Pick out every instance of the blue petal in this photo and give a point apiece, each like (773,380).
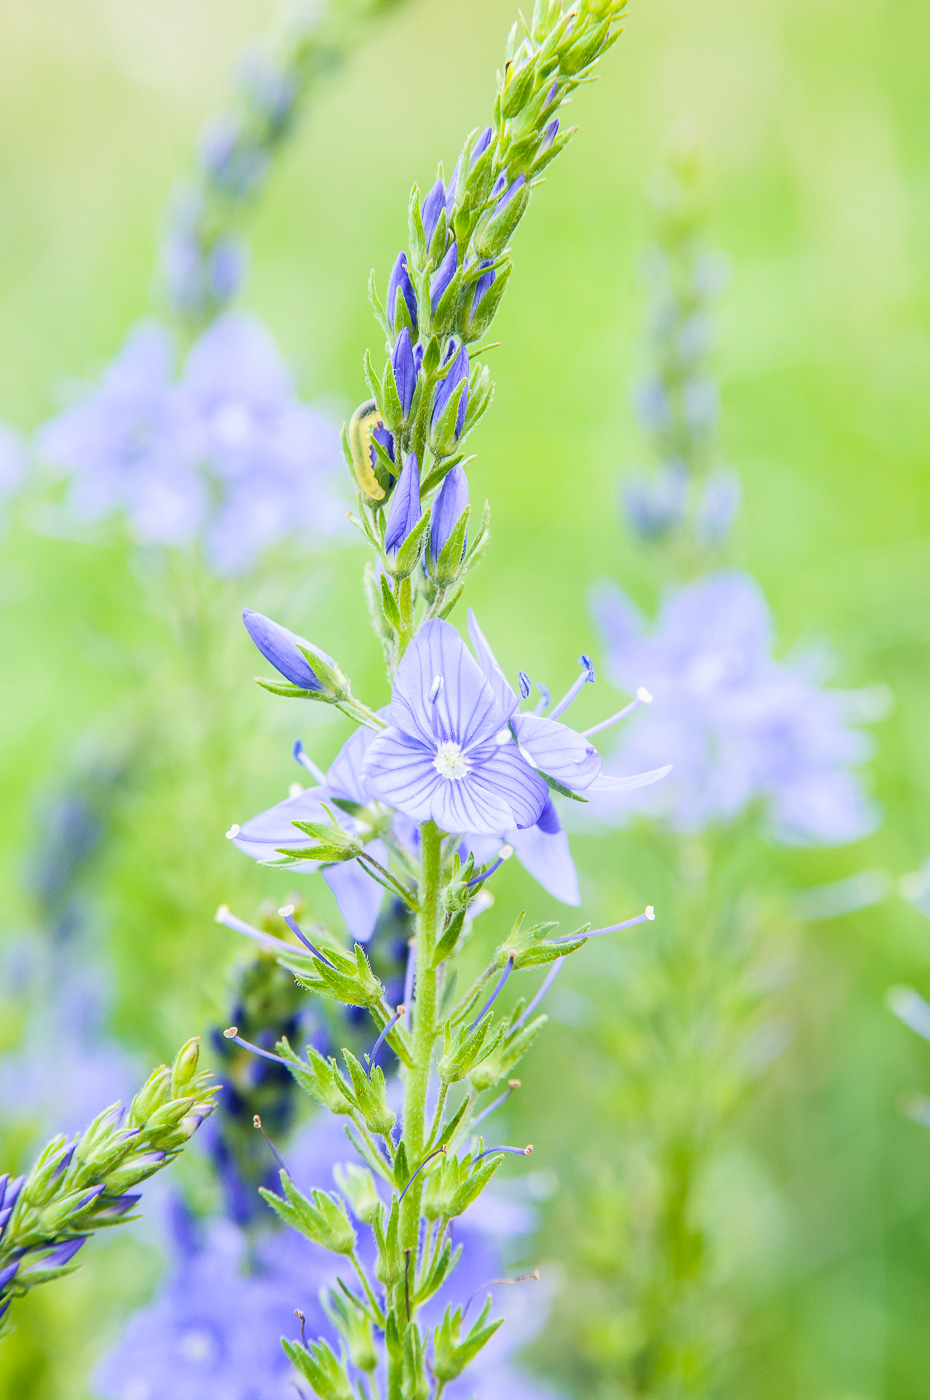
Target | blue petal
(359,896)
(543,850)
(405,509)
(561,752)
(503,690)
(464,710)
(505,779)
(451,501)
(279,645)
(262,836)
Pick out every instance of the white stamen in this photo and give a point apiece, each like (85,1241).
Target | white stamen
(295,790)
(505,852)
(450,762)
(233,831)
(502,737)
(650,912)
(643,695)
(286,910)
(435,688)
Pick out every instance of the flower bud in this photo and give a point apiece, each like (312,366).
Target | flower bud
(404,367)
(444,434)
(310,671)
(405,509)
(443,276)
(400,284)
(451,501)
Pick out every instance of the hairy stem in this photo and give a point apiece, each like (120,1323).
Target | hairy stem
(424,1028)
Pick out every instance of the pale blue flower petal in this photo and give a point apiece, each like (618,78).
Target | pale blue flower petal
(561,752)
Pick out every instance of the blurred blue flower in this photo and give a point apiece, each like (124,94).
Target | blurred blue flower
(215,1327)
(737,726)
(225,454)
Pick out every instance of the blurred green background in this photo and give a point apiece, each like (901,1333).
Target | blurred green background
(816,128)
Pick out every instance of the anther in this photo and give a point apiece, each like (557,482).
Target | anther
(646,916)
(512,1084)
(585,678)
(286,912)
(232,1033)
(233,831)
(505,853)
(303,1324)
(257,1123)
(515,1151)
(435,688)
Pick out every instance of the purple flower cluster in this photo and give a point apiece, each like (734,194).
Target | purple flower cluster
(737,726)
(215,1327)
(455,749)
(222,454)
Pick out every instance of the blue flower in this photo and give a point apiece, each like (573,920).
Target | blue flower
(443,276)
(401,285)
(226,454)
(455,374)
(405,509)
(358,896)
(447,755)
(405,365)
(433,205)
(214,1327)
(282,648)
(737,726)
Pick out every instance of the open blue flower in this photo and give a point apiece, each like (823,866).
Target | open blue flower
(264,837)
(447,755)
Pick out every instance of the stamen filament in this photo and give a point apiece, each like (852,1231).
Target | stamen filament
(512,1084)
(410,975)
(496,1282)
(505,854)
(429,1158)
(382,1037)
(551,975)
(642,698)
(287,914)
(224,915)
(257,1123)
(495,994)
(516,1151)
(647,916)
(305,761)
(232,1033)
(586,676)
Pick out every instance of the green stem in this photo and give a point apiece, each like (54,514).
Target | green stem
(424,1028)
(363,1279)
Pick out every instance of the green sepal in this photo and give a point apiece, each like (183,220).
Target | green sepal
(323,1220)
(316,1076)
(529,947)
(358,1186)
(440,1271)
(318,1364)
(449,565)
(514,1045)
(349,980)
(368,1096)
(290,692)
(450,1356)
(408,555)
(389,1266)
(466,1048)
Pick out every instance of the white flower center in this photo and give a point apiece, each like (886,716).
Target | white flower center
(450,762)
